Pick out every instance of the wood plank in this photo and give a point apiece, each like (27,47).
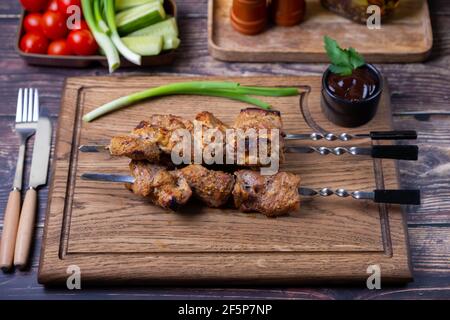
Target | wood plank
(427,245)
(406,38)
(431,172)
(422,94)
(187,8)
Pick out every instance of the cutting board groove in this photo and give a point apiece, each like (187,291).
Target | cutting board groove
(117,237)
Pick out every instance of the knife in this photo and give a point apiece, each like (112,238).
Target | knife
(38,177)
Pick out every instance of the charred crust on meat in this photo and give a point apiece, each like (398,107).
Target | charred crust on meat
(263,111)
(142,124)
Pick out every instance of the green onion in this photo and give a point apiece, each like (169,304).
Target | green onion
(230,90)
(99,18)
(102,39)
(123,49)
(268,92)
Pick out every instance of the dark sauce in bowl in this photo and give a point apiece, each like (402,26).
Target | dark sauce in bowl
(360,85)
(351,101)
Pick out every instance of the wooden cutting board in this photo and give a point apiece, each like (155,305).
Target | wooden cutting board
(114,236)
(405,37)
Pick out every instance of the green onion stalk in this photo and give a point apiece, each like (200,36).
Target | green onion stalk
(230,90)
(99,18)
(101,37)
(111,20)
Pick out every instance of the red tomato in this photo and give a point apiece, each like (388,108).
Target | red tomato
(82,42)
(34,5)
(54,25)
(32,22)
(52,5)
(83,25)
(34,43)
(59,48)
(64,4)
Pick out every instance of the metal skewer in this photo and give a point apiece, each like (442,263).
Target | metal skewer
(411,197)
(381,152)
(374,135)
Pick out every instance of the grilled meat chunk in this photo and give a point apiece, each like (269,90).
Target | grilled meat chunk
(213,136)
(258,119)
(138,147)
(209,121)
(150,139)
(272,195)
(263,122)
(211,187)
(169,122)
(167,189)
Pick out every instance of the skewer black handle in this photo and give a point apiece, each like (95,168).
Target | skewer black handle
(393,135)
(396,152)
(411,197)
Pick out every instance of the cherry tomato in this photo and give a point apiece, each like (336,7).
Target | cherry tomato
(54,25)
(34,5)
(64,4)
(83,25)
(82,42)
(59,48)
(34,43)
(53,5)
(32,22)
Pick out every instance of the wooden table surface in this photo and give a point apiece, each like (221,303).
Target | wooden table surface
(420,100)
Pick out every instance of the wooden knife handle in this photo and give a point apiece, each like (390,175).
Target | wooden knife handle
(26,228)
(10,224)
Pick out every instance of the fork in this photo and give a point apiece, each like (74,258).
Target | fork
(27,115)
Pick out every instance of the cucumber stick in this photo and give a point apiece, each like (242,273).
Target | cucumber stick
(126,4)
(139,17)
(170,42)
(163,28)
(144,45)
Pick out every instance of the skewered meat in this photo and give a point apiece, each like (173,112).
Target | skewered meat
(138,147)
(152,138)
(252,192)
(209,121)
(258,119)
(263,122)
(169,122)
(168,189)
(212,187)
(272,195)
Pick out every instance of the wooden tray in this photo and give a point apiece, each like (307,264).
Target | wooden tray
(164,58)
(117,237)
(404,37)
